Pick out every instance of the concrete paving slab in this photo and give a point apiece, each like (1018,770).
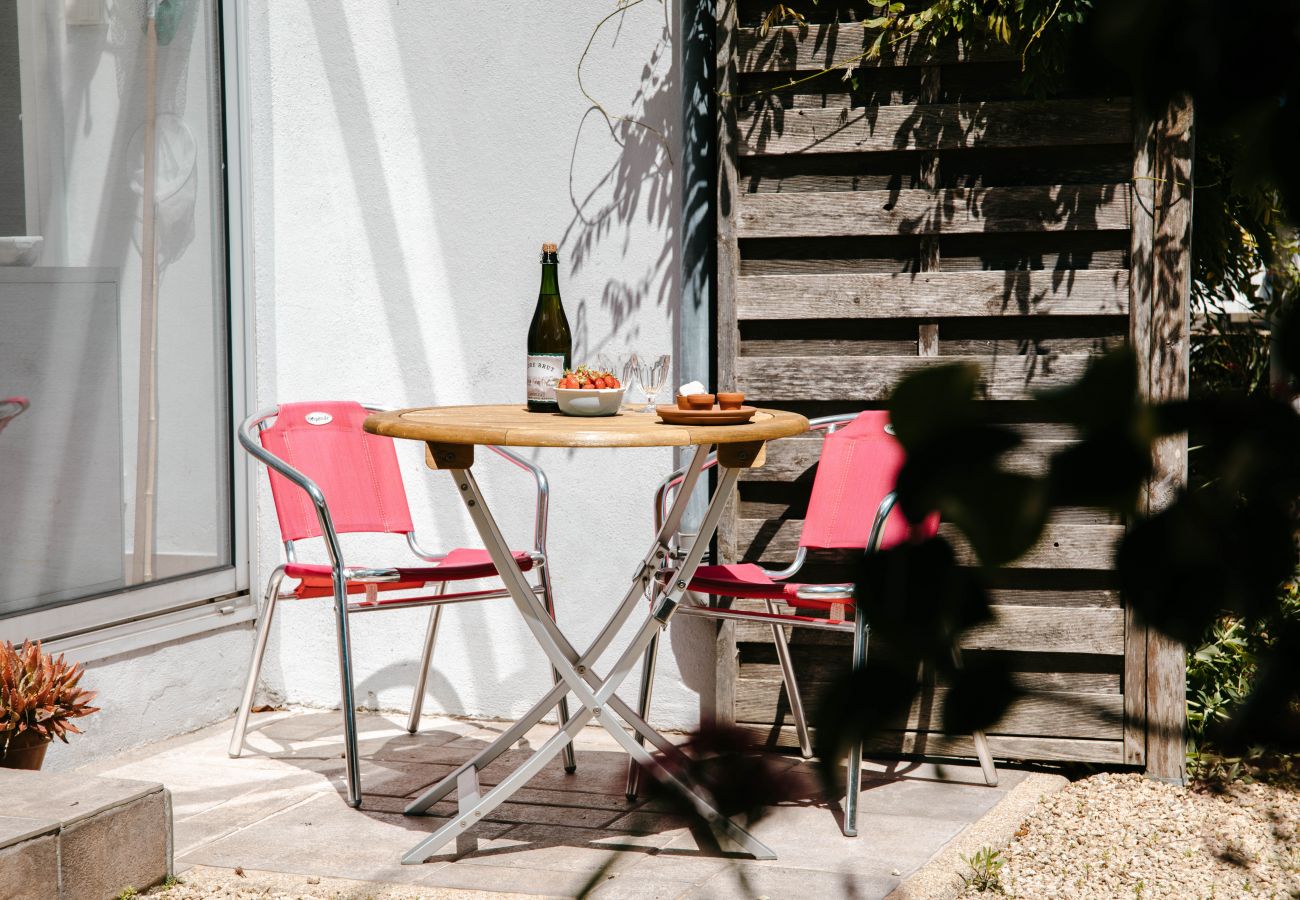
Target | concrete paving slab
(563,849)
(679,863)
(626,886)
(324,836)
(280,808)
(221,819)
(64,796)
(15,829)
(538,882)
(809,838)
(746,881)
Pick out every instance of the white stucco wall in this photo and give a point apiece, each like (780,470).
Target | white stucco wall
(408,161)
(157,692)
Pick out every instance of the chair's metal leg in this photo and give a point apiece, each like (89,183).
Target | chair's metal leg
(570,763)
(255,664)
(981,742)
(791,684)
(350,750)
(854,776)
(648,666)
(426,659)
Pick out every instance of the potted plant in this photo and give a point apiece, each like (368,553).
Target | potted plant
(39,698)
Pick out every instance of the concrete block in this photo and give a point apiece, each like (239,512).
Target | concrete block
(127,846)
(29,869)
(72,836)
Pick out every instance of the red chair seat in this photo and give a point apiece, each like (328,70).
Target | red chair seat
(737,580)
(461,564)
(749,581)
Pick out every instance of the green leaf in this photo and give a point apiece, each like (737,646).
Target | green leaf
(932,400)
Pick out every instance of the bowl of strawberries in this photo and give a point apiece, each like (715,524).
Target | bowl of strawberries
(588,391)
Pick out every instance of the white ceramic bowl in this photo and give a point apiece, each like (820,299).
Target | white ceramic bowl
(590,402)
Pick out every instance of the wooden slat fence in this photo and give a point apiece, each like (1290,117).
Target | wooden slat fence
(928,211)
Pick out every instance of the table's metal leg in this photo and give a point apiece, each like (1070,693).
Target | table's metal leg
(570,763)
(592,693)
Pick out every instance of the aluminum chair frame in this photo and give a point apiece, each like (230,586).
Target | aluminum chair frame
(342,576)
(11,408)
(859,628)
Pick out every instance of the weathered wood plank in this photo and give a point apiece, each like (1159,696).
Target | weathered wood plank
(790,459)
(791,48)
(931,744)
(1081,292)
(995,210)
(1061,547)
(769,131)
(1046,629)
(786,378)
(815,670)
(1019,629)
(1049,713)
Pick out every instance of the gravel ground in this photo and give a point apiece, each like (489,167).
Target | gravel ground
(1126,836)
(204,883)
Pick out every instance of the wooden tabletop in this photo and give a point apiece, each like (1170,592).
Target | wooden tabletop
(512,425)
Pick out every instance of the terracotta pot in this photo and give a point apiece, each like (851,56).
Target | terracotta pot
(700,401)
(730,400)
(24,751)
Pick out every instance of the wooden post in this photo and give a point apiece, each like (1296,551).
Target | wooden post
(1168,350)
(728,329)
(1141,303)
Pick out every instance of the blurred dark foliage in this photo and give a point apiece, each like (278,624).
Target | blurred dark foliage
(1225,543)
(727,763)
(1223,546)
(1246,185)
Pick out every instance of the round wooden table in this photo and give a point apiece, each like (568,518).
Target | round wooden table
(450,434)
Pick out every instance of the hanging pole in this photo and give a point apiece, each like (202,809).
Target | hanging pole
(146,447)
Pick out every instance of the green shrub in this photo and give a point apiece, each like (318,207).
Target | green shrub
(1220,673)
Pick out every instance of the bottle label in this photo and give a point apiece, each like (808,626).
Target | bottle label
(544,372)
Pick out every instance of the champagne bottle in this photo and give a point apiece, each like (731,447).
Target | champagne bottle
(550,345)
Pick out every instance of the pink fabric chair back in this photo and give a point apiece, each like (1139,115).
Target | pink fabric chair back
(356,471)
(859,465)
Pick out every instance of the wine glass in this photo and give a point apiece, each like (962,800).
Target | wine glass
(651,374)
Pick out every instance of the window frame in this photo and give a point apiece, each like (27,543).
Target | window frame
(119,621)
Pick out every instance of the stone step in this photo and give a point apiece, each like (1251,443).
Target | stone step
(80,837)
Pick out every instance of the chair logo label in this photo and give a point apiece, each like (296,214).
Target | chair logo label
(319,418)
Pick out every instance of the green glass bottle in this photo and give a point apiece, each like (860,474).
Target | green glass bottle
(550,345)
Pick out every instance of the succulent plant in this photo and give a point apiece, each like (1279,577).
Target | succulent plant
(39,692)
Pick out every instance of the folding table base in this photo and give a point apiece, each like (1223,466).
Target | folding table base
(596,696)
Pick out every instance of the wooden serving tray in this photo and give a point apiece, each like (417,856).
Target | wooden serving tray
(674,416)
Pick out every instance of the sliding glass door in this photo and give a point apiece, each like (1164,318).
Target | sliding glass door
(115,313)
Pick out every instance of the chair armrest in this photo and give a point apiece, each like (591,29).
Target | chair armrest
(663,494)
(824,592)
(248,440)
(541,512)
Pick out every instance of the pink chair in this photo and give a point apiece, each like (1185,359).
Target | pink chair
(330,477)
(11,408)
(849,508)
